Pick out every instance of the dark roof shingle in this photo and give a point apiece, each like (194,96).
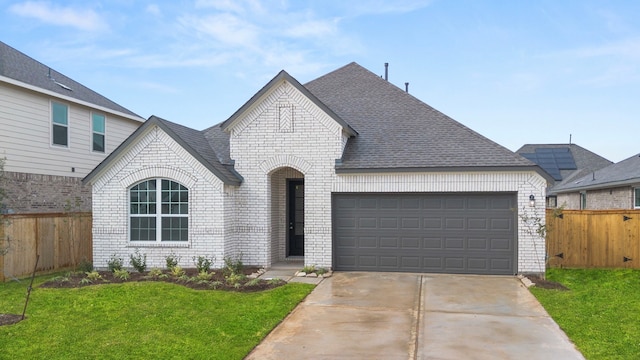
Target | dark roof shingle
(623,173)
(398,131)
(20,67)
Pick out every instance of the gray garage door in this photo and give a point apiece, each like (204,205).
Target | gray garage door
(439,233)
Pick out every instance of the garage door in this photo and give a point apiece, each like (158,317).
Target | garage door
(439,233)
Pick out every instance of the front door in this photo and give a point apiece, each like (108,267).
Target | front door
(296,217)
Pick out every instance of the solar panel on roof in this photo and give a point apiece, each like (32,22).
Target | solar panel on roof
(552,160)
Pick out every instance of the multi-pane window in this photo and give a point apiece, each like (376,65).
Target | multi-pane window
(60,124)
(636,197)
(159,213)
(583,201)
(97,132)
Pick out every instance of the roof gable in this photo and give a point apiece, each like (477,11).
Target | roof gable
(399,132)
(585,161)
(623,173)
(22,70)
(284,76)
(194,141)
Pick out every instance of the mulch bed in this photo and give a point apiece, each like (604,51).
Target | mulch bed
(546,284)
(217,282)
(8,319)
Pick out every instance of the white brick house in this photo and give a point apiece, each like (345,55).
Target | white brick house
(347,172)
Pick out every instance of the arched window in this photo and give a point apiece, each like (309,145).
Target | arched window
(153,207)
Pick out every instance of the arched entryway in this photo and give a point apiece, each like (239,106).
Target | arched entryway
(287,214)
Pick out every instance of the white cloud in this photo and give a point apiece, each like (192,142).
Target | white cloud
(313,28)
(153,9)
(83,19)
(363,7)
(223,28)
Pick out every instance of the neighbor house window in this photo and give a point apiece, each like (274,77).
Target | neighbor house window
(636,198)
(159,211)
(97,132)
(583,200)
(60,124)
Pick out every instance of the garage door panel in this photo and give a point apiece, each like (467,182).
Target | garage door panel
(451,233)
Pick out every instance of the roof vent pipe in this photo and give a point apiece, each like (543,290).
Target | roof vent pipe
(386,71)
(406,87)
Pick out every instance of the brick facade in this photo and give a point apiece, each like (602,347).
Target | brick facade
(282,136)
(156,155)
(37,193)
(601,199)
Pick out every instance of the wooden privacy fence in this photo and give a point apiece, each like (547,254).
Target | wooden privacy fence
(61,240)
(594,238)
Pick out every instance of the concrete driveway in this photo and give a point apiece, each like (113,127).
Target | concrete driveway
(417,316)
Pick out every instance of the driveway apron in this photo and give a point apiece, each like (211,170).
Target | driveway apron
(355,315)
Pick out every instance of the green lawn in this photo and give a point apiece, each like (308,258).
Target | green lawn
(600,312)
(146,320)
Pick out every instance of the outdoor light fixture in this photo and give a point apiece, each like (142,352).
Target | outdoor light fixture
(532,200)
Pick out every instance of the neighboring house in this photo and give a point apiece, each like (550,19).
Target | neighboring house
(616,186)
(346,172)
(564,163)
(53,132)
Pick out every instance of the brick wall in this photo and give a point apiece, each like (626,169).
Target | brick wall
(156,155)
(603,199)
(35,193)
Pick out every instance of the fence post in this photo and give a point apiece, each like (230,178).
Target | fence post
(2,246)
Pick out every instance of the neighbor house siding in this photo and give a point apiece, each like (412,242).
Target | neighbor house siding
(600,199)
(25,135)
(531,248)
(208,220)
(570,201)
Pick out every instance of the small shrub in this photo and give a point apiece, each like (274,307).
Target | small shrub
(309,269)
(115,263)
(235,279)
(86,281)
(85,266)
(62,278)
(252,282)
(121,274)
(185,278)
(321,271)
(93,275)
(154,273)
(232,267)
(172,261)
(203,263)
(215,284)
(138,261)
(177,271)
(275,281)
(204,276)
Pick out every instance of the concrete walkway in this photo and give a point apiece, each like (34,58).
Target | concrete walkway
(417,316)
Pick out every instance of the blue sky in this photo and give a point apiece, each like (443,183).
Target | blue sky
(515,71)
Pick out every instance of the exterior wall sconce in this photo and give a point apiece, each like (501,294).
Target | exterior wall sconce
(532,200)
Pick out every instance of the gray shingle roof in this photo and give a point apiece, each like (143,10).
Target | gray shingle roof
(586,161)
(391,131)
(398,131)
(625,172)
(194,141)
(20,67)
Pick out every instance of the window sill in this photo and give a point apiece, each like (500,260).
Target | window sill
(166,244)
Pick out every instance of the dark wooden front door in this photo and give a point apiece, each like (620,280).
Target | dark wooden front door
(296,217)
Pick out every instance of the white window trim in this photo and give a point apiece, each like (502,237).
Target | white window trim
(635,189)
(92,132)
(583,205)
(51,124)
(158,242)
